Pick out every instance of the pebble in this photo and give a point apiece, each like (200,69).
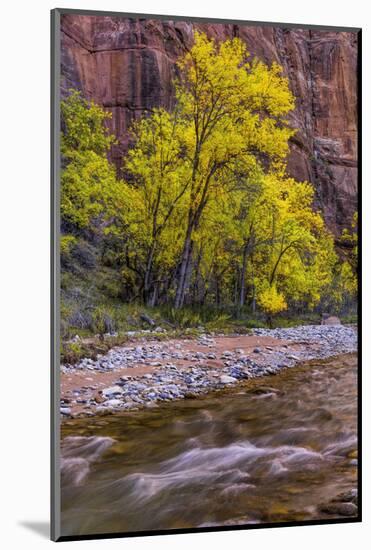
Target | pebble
(348,496)
(113,390)
(225,379)
(113,403)
(340,509)
(195,377)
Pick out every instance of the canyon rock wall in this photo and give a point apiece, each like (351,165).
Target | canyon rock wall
(127,65)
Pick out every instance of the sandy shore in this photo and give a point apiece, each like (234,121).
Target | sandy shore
(147,373)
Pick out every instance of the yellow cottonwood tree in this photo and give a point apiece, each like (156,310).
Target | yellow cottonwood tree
(159,185)
(235,112)
(206,213)
(88,180)
(298,259)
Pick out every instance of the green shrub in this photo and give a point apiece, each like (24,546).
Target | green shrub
(102,320)
(183,318)
(71,352)
(219,322)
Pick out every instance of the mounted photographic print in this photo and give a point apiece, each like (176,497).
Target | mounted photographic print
(204,274)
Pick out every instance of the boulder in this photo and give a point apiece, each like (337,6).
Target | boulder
(331,320)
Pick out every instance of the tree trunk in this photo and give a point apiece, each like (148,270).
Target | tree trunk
(217,292)
(183,269)
(253,303)
(243,275)
(235,289)
(188,274)
(194,217)
(153,299)
(148,274)
(195,286)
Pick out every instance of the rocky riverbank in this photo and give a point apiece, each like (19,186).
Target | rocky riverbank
(148,373)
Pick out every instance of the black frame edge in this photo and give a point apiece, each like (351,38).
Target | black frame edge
(197,530)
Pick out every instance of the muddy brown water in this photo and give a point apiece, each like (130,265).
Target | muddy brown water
(273,450)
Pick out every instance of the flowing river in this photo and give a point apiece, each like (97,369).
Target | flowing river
(274,449)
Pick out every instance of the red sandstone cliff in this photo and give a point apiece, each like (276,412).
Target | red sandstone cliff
(127,65)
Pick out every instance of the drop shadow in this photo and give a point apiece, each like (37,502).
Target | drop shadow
(41,528)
